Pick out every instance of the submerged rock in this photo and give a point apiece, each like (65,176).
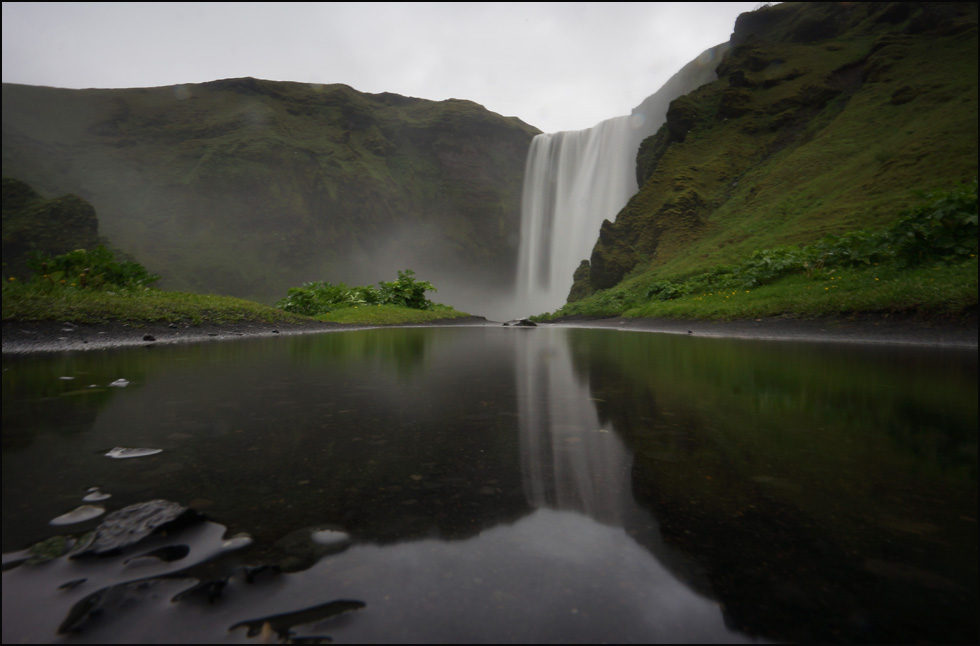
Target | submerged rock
(283,623)
(116,600)
(304,547)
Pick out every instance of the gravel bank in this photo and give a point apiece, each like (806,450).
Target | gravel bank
(49,336)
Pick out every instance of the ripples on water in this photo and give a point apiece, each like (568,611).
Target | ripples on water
(492,484)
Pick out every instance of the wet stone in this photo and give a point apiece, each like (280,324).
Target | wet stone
(78,515)
(122,452)
(130,525)
(95,495)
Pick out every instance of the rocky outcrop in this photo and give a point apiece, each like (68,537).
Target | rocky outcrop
(32,223)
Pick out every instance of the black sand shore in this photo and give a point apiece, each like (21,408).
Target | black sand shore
(49,336)
(960,332)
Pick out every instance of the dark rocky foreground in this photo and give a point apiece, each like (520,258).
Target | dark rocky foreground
(961,332)
(914,329)
(52,336)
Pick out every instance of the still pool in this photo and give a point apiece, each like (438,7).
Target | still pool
(484,484)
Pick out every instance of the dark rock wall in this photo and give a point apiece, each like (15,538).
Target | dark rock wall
(32,223)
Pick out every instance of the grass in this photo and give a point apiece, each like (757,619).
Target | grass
(388,315)
(789,169)
(924,262)
(341,169)
(31,302)
(940,289)
(936,289)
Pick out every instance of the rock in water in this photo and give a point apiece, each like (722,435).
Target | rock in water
(123,452)
(78,515)
(130,525)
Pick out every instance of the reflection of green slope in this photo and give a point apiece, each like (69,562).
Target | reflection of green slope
(403,348)
(819,485)
(48,402)
(274,435)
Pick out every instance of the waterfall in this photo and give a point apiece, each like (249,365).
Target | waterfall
(574,180)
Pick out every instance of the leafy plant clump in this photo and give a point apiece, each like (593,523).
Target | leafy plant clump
(94,270)
(318,298)
(942,228)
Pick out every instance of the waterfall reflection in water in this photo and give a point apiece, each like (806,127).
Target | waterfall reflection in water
(513,485)
(569,460)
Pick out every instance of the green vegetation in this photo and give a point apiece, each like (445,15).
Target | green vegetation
(825,120)
(317,298)
(247,187)
(34,225)
(34,302)
(399,301)
(92,287)
(389,315)
(81,269)
(926,261)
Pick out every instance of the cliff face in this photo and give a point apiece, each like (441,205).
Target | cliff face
(246,187)
(825,118)
(32,223)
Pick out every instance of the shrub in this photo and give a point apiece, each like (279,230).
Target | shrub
(406,291)
(323,297)
(944,226)
(313,298)
(96,269)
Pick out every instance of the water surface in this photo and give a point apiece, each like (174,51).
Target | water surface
(497,484)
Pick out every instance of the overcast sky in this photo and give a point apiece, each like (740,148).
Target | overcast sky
(557,66)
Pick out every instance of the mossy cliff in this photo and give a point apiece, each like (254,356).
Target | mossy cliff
(825,118)
(32,224)
(247,187)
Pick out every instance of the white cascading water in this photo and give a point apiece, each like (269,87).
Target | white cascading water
(574,180)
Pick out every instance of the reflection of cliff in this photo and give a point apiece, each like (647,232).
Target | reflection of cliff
(51,404)
(404,348)
(393,437)
(776,467)
(47,393)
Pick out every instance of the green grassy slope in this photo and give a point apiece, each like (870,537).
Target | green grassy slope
(825,118)
(247,187)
